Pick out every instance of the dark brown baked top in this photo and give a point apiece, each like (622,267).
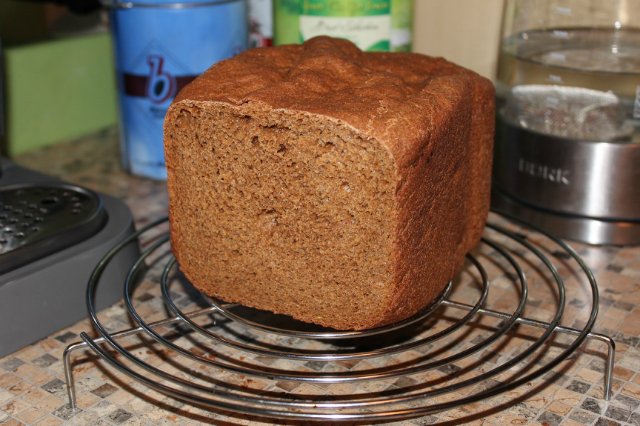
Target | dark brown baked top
(390,96)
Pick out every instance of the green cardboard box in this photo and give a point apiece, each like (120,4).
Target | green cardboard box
(57,90)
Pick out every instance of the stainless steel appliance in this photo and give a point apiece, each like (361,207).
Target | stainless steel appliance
(567,152)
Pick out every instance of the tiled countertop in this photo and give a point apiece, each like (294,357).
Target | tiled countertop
(32,387)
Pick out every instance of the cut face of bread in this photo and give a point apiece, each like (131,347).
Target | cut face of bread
(290,212)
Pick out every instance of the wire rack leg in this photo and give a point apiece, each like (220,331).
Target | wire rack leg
(68,370)
(611,357)
(611,345)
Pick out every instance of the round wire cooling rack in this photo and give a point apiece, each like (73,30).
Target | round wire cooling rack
(509,304)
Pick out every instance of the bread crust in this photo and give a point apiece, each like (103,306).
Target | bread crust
(434,119)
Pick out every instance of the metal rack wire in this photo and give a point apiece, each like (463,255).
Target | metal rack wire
(227,343)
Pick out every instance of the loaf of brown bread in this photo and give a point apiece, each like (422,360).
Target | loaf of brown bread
(339,187)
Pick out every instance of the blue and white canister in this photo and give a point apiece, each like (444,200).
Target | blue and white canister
(160,46)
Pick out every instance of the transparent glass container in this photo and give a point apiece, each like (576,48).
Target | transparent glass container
(550,45)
